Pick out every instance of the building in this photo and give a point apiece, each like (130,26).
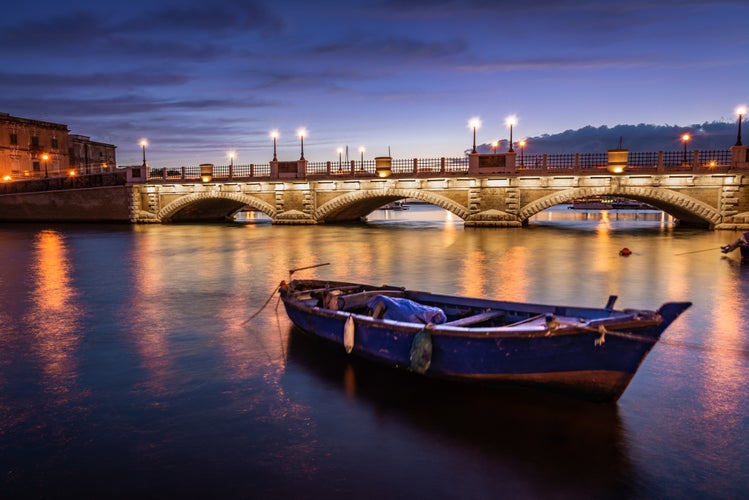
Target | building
(36,149)
(88,157)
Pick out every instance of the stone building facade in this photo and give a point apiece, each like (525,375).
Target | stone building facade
(36,149)
(88,157)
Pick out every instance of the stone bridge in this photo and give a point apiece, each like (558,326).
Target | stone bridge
(699,195)
(706,189)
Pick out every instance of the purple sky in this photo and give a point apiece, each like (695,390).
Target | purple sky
(199,79)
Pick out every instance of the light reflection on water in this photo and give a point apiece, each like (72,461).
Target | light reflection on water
(55,316)
(145,349)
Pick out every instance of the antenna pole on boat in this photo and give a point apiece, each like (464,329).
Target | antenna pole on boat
(292,271)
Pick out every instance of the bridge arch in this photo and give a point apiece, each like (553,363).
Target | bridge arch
(232,203)
(354,205)
(681,206)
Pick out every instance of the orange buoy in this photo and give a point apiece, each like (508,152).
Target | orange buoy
(625,252)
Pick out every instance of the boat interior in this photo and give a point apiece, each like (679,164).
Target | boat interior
(357,299)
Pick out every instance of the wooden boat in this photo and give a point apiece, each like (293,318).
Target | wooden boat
(590,352)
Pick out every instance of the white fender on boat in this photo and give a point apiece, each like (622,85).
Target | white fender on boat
(348,335)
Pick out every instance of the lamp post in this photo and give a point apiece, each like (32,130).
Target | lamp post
(143,144)
(522,150)
(231,160)
(685,138)
(340,154)
(474,123)
(274,135)
(302,132)
(361,151)
(45,157)
(741,112)
(511,120)
(495,145)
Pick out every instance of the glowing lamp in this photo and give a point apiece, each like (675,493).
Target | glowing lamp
(206,172)
(474,123)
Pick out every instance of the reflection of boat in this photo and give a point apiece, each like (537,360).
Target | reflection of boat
(507,430)
(396,205)
(608,204)
(593,352)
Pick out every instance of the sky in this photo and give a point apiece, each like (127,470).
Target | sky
(201,79)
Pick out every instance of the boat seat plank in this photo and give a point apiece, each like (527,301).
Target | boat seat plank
(357,300)
(539,318)
(476,318)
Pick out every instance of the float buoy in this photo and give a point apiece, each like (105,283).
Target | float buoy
(421,351)
(625,252)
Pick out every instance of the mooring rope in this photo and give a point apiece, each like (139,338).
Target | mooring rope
(601,329)
(264,305)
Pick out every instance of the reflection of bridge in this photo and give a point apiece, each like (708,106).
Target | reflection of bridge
(709,189)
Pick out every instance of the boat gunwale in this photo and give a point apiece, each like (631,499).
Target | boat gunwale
(514,330)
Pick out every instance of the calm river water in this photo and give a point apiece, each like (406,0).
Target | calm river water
(127,368)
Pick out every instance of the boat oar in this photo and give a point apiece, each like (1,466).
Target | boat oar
(698,251)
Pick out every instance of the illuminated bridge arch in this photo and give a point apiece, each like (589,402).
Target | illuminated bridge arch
(683,207)
(354,205)
(232,203)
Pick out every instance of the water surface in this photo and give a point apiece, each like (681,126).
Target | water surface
(127,367)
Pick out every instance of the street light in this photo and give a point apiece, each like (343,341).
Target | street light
(361,151)
(495,145)
(143,144)
(474,123)
(522,150)
(231,159)
(511,120)
(301,133)
(685,138)
(274,135)
(340,153)
(741,111)
(45,157)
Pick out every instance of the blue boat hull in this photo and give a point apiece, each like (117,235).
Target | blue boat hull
(578,360)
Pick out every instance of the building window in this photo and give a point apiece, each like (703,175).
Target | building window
(37,167)
(35,142)
(54,143)
(13,139)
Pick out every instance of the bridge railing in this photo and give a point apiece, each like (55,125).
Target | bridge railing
(551,163)
(220,172)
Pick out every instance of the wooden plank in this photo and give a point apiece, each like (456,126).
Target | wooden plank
(356,300)
(476,318)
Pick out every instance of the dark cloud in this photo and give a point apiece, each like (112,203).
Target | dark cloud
(10,82)
(131,104)
(217,17)
(561,62)
(391,46)
(641,138)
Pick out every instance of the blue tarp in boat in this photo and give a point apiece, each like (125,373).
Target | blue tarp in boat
(398,309)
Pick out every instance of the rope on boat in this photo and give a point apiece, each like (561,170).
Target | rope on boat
(601,329)
(698,251)
(282,285)
(264,305)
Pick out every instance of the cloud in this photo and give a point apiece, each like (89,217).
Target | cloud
(391,46)
(217,17)
(10,82)
(640,138)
